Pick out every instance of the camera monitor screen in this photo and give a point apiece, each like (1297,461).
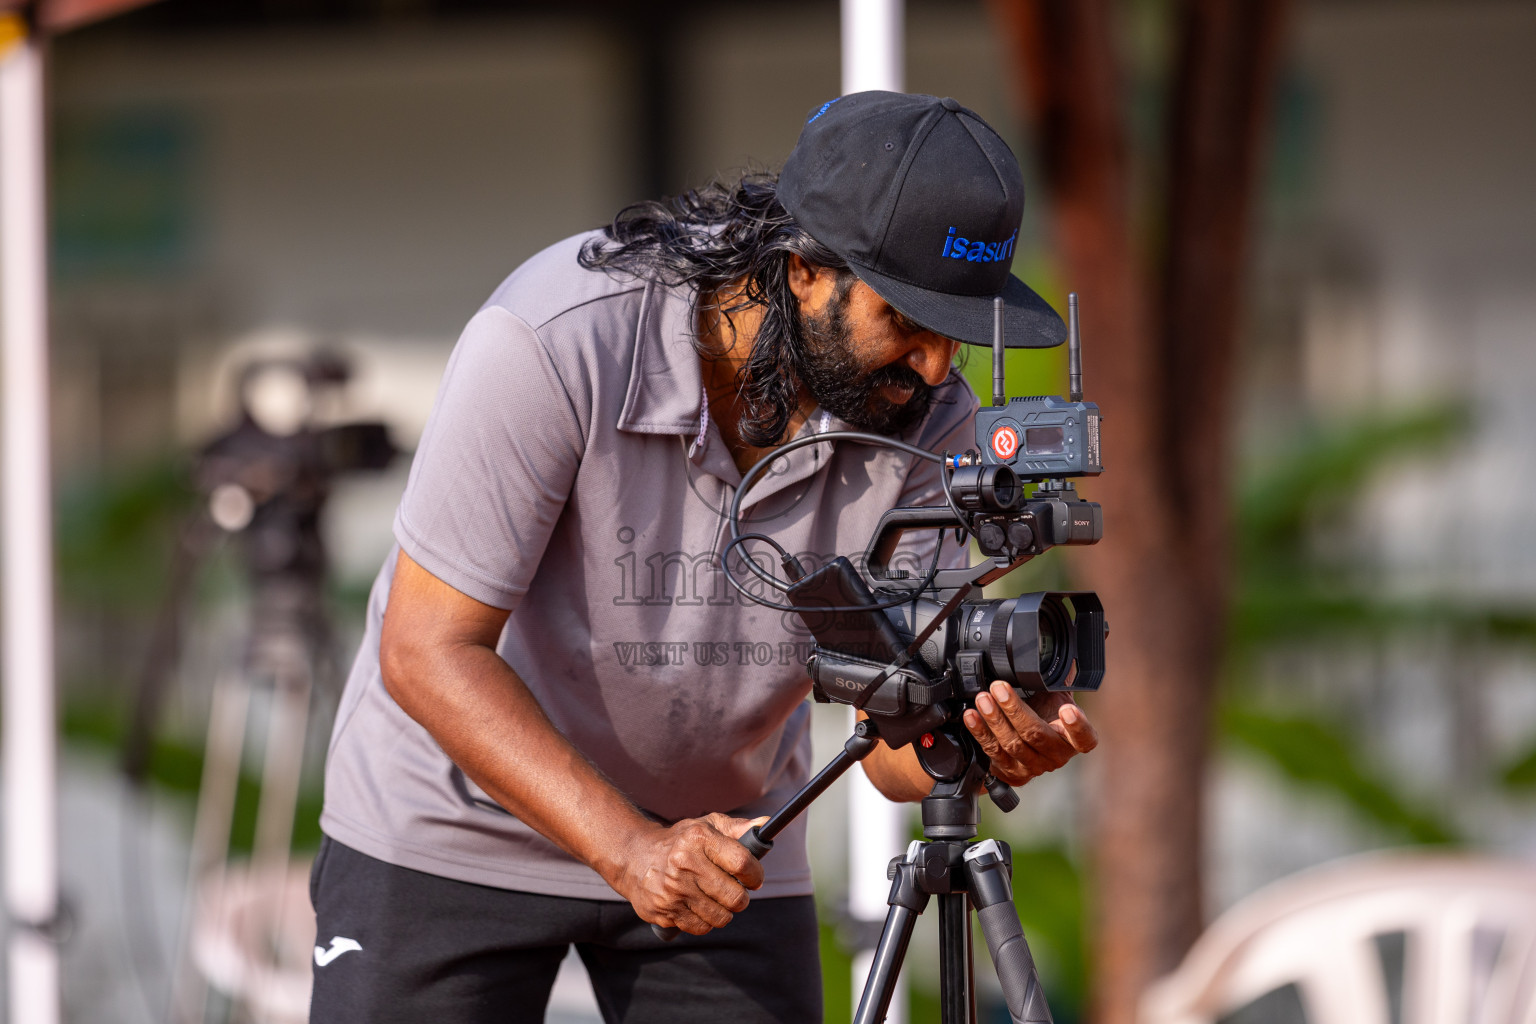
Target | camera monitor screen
(1043,441)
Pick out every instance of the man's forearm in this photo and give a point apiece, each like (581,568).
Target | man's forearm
(896,773)
(492,727)
(437,653)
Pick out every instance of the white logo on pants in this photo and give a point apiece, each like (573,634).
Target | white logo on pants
(339,945)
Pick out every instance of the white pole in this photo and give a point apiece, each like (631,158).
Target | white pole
(29,743)
(873,48)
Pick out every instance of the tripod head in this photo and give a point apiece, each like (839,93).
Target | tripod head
(950,809)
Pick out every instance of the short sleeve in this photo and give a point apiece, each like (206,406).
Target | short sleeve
(496,462)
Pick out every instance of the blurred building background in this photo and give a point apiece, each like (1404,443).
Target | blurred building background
(235,178)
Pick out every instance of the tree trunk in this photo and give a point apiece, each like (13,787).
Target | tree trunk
(1159,325)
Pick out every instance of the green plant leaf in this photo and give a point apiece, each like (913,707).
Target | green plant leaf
(1321,755)
(1268,611)
(1520,774)
(1048,893)
(116,531)
(837,995)
(1332,464)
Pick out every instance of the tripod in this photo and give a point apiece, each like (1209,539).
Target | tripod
(952,864)
(964,873)
(247,932)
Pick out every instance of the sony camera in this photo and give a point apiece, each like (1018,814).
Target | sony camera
(912,652)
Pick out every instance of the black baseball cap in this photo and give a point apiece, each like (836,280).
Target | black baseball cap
(923,200)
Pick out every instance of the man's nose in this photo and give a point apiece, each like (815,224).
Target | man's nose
(931,358)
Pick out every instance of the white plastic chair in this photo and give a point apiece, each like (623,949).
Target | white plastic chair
(1467,927)
(253,939)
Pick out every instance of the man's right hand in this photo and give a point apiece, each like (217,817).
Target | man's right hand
(693,875)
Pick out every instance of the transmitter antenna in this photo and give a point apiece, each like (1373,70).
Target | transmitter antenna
(999,396)
(1074,352)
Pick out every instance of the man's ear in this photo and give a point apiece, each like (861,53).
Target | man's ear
(811,285)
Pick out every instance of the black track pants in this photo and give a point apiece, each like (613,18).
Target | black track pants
(399,945)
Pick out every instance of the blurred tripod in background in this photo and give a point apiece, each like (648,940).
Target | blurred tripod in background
(248,928)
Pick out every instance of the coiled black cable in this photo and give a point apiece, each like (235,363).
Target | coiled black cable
(761,466)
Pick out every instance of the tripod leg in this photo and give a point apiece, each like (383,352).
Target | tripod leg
(907,901)
(210,837)
(957,1002)
(270,862)
(993,897)
(287,724)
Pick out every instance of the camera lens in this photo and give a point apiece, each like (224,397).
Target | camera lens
(1045,640)
(1055,640)
(1029,641)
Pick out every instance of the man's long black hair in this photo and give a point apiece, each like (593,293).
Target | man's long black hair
(714,236)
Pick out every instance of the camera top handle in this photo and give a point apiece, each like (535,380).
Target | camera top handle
(897,521)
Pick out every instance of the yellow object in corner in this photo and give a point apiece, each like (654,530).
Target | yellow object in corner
(13,30)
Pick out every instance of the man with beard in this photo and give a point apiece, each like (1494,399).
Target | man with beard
(561,717)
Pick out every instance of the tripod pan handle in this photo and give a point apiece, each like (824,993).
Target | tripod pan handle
(756,846)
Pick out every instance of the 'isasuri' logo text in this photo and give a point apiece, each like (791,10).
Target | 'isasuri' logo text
(958,247)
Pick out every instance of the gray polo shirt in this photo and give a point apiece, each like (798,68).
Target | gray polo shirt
(570,474)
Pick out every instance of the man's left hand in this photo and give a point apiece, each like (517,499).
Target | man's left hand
(1025,739)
